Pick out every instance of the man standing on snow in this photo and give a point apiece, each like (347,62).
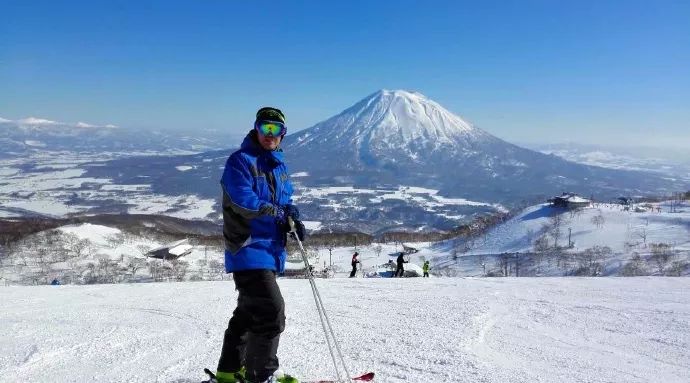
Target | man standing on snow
(257,203)
(355,261)
(400,270)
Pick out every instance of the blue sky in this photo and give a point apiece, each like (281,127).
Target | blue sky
(588,71)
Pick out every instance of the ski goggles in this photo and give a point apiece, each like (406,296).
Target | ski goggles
(270,128)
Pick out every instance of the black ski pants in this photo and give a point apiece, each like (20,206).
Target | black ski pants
(400,271)
(354,270)
(253,333)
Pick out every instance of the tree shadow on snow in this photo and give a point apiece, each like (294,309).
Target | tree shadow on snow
(543,212)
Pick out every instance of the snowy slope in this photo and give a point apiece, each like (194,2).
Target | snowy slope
(620,227)
(407,330)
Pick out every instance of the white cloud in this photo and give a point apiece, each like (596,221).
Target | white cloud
(36,121)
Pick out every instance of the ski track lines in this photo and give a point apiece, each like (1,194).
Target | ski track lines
(406,330)
(600,340)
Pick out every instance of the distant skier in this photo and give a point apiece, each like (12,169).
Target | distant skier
(400,270)
(426,268)
(257,203)
(355,261)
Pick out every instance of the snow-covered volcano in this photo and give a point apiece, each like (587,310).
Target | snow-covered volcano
(390,129)
(391,124)
(398,137)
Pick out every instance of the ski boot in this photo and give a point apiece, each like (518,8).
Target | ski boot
(225,377)
(279,377)
(238,377)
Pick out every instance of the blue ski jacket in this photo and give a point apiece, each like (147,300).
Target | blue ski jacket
(255,182)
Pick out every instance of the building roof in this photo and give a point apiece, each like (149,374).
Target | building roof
(571,198)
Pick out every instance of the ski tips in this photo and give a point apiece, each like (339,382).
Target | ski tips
(369,376)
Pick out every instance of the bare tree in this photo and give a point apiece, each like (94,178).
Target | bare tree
(529,235)
(179,269)
(107,269)
(143,249)
(677,268)
(503,264)
(76,245)
(481,261)
(217,267)
(135,264)
(661,255)
(642,233)
(556,224)
(115,240)
(154,269)
(203,267)
(541,245)
(634,267)
(165,272)
(598,220)
(454,255)
(518,262)
(90,275)
(378,249)
(593,260)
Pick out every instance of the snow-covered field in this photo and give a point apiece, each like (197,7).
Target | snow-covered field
(406,330)
(47,184)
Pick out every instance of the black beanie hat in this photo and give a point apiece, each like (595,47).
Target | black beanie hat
(270,114)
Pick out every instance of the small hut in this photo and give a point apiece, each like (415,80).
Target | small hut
(570,201)
(172,250)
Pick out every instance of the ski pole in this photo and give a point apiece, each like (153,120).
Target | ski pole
(326,325)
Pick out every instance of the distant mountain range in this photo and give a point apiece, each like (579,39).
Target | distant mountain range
(20,138)
(668,161)
(393,160)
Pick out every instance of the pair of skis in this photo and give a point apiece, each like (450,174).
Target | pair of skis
(368,377)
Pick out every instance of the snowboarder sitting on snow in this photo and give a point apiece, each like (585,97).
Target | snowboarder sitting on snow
(400,270)
(426,268)
(257,202)
(355,261)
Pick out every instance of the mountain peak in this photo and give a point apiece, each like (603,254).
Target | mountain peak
(400,93)
(394,119)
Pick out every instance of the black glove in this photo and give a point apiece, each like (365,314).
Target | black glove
(281,216)
(291,211)
(300,230)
